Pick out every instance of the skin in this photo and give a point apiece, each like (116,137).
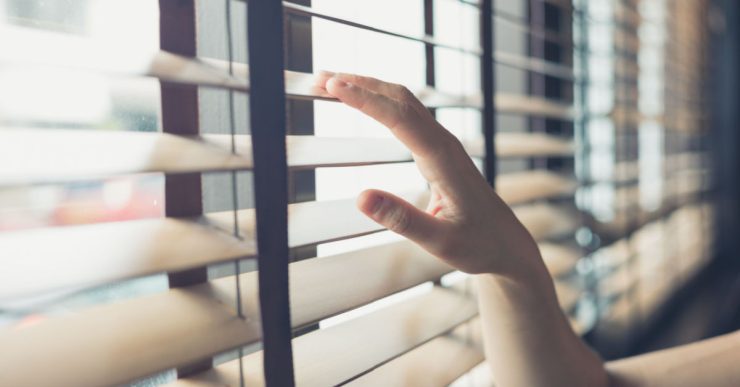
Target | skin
(527,338)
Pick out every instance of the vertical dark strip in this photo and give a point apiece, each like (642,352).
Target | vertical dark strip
(488,84)
(180,103)
(300,113)
(536,45)
(429,48)
(183,196)
(267,107)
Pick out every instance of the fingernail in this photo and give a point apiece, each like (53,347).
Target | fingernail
(340,82)
(376,202)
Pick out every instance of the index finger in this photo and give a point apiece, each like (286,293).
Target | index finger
(438,153)
(417,130)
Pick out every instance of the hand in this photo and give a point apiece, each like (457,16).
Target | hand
(466,224)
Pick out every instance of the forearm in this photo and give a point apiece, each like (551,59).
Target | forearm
(528,340)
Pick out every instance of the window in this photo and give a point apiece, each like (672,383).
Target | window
(177,201)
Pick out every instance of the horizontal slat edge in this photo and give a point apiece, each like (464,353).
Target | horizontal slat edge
(339,219)
(559,259)
(545,221)
(522,187)
(427,39)
(82,256)
(209,309)
(336,355)
(98,253)
(116,343)
(520,104)
(361,276)
(51,155)
(531,144)
(147,249)
(437,363)
(30,47)
(86,54)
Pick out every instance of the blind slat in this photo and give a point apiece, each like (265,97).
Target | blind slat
(136,248)
(437,363)
(519,104)
(427,39)
(116,343)
(84,54)
(534,64)
(531,144)
(546,221)
(522,187)
(52,155)
(172,317)
(80,256)
(559,259)
(335,355)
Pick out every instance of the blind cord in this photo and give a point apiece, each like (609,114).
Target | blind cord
(234,185)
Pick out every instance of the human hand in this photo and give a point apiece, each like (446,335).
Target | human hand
(466,224)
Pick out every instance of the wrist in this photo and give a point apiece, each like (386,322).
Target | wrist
(526,277)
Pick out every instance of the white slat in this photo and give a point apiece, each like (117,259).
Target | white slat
(545,221)
(522,187)
(336,355)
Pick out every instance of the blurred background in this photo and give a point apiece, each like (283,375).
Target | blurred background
(652,86)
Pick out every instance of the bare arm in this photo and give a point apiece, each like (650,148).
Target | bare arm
(712,362)
(527,338)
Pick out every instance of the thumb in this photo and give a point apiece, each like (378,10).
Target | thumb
(400,216)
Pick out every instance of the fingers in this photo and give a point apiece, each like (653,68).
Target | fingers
(322,77)
(440,157)
(391,90)
(401,217)
(416,129)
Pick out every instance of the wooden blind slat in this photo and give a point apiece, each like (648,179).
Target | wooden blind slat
(200,321)
(535,106)
(115,343)
(534,64)
(531,144)
(80,256)
(115,251)
(437,363)
(546,221)
(104,252)
(77,53)
(559,259)
(522,187)
(427,39)
(82,54)
(339,219)
(52,155)
(364,275)
(335,355)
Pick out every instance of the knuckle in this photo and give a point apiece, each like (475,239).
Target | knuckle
(405,93)
(399,221)
(401,92)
